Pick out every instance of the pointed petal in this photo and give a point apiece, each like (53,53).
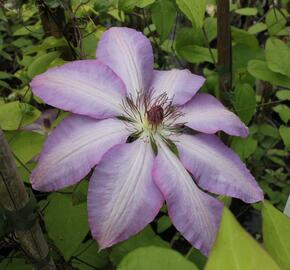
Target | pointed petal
(217,168)
(194,213)
(206,114)
(75,146)
(85,87)
(122,196)
(129,54)
(180,85)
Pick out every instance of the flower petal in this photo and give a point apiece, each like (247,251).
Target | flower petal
(194,213)
(84,87)
(180,85)
(75,146)
(129,54)
(206,114)
(122,196)
(217,168)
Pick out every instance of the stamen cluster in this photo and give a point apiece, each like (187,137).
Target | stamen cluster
(148,115)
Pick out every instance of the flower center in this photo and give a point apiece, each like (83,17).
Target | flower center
(155,115)
(147,116)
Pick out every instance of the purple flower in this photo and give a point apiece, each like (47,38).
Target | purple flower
(43,125)
(120,95)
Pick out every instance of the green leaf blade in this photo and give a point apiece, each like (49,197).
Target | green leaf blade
(194,10)
(278,56)
(163,16)
(245,102)
(235,249)
(276,234)
(66,224)
(155,258)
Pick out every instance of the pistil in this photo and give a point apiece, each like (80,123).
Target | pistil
(155,116)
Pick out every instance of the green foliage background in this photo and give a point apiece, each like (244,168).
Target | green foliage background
(183,34)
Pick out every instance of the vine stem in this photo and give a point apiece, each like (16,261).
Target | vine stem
(224,45)
(13,196)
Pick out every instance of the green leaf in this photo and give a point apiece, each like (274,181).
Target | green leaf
(88,253)
(48,43)
(244,147)
(25,171)
(25,145)
(15,264)
(243,53)
(90,43)
(187,36)
(144,3)
(193,36)
(268,130)
(245,102)
(243,37)
(145,238)
(226,200)
(127,5)
(285,134)
(22,42)
(210,28)
(155,258)
(163,14)
(247,11)
(163,224)
(15,115)
(278,56)
(283,94)
(275,20)
(66,224)
(41,63)
(196,54)
(283,111)
(34,30)
(276,234)
(5,85)
(5,75)
(195,256)
(194,10)
(260,70)
(257,28)
(235,249)
(79,194)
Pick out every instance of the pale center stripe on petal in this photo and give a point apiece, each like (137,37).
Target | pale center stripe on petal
(136,80)
(89,90)
(187,183)
(125,196)
(215,160)
(79,143)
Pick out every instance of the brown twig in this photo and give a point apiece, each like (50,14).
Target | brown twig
(224,45)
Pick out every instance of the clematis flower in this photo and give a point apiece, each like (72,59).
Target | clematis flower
(43,125)
(120,96)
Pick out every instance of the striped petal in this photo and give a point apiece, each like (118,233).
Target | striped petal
(194,213)
(85,87)
(217,168)
(179,85)
(129,54)
(75,146)
(206,114)
(122,196)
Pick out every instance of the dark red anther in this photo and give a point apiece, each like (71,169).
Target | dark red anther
(155,115)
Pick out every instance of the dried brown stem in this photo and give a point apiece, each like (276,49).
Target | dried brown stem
(224,45)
